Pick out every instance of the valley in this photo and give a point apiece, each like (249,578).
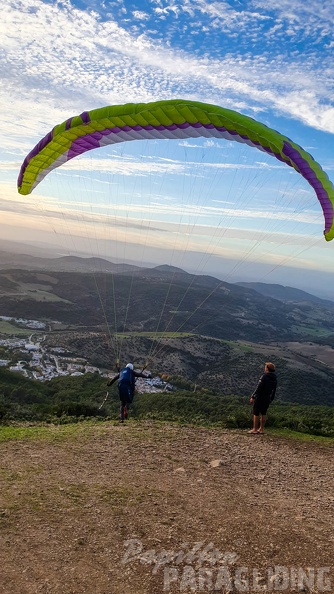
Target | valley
(213,334)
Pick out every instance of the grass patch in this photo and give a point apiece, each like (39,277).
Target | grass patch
(309,331)
(154,335)
(8,329)
(39,293)
(304,437)
(239,346)
(44,296)
(144,429)
(119,496)
(236,345)
(75,493)
(52,433)
(9,476)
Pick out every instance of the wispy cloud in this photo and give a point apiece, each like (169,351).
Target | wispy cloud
(51,72)
(271,60)
(210,216)
(140,15)
(149,167)
(123,166)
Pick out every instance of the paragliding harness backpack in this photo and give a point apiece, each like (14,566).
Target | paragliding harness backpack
(126,380)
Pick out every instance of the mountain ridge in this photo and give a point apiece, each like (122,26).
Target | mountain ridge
(75,263)
(284,292)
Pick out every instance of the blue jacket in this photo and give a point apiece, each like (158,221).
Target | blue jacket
(127,376)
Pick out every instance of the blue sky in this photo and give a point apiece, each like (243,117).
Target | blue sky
(209,206)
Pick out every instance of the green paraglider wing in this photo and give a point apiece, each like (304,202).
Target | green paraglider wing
(173,119)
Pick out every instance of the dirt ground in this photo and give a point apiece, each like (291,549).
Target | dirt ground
(147,508)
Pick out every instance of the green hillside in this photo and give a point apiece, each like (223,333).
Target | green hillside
(69,399)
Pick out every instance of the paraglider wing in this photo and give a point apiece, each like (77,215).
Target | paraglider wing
(173,119)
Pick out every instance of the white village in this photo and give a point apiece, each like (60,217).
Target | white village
(44,363)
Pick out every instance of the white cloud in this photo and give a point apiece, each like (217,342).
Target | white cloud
(140,15)
(188,144)
(10,166)
(222,13)
(157,211)
(130,167)
(80,62)
(58,60)
(123,166)
(211,144)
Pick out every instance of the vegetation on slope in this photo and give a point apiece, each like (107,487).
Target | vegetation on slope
(69,399)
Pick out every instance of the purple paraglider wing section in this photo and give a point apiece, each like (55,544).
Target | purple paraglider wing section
(174,119)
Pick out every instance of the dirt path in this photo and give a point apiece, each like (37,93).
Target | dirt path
(69,504)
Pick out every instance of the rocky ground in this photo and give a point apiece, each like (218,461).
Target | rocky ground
(147,508)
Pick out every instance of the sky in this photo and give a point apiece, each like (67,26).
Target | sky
(208,206)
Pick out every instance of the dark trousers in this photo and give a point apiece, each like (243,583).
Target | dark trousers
(126,396)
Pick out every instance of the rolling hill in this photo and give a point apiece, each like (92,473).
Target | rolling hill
(213,333)
(286,294)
